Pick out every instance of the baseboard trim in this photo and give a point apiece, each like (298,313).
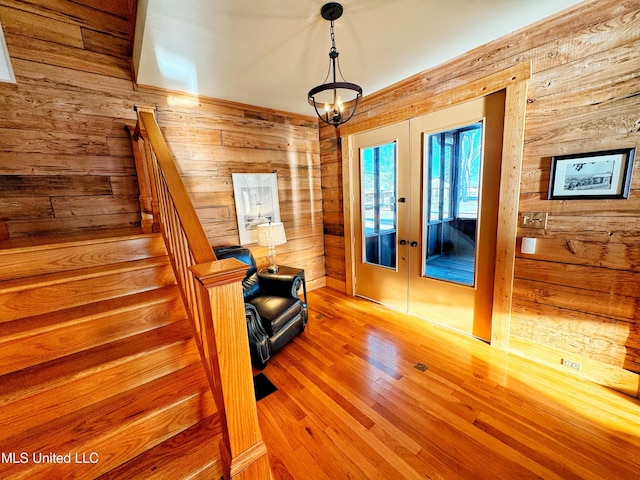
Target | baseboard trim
(341,286)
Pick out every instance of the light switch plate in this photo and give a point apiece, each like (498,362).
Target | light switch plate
(533,220)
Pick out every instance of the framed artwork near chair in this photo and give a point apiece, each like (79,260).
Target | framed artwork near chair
(256,200)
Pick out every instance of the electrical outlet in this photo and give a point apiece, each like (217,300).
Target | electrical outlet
(533,220)
(571,364)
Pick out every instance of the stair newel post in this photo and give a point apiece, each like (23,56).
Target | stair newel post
(243,450)
(148,198)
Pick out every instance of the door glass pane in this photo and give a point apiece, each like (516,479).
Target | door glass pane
(452,169)
(378,200)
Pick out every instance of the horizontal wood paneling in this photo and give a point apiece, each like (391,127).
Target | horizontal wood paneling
(65,158)
(579,292)
(66,162)
(46,186)
(40,27)
(210,145)
(80,14)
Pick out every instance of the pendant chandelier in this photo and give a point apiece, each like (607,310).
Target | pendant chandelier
(330,107)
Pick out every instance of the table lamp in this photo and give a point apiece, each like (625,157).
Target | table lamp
(269,235)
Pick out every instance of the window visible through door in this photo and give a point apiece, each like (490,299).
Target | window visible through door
(452,181)
(378,186)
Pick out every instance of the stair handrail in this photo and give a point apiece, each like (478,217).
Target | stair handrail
(212,293)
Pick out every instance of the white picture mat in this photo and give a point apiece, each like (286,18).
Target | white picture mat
(6,71)
(256,200)
(589,176)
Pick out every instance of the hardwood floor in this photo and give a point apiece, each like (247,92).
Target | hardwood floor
(351,404)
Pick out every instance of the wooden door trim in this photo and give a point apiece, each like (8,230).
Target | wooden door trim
(348,180)
(512,152)
(514,81)
(417,104)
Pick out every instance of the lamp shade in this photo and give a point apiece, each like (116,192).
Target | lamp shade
(270,234)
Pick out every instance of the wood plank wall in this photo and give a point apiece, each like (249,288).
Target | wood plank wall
(579,296)
(215,139)
(66,162)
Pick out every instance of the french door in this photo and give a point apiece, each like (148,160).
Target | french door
(382,214)
(426,214)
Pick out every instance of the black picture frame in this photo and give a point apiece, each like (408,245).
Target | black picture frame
(591,176)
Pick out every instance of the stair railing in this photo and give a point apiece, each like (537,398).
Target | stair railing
(212,293)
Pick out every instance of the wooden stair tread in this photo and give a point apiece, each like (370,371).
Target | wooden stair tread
(71,255)
(64,398)
(58,278)
(118,428)
(187,454)
(29,381)
(57,239)
(97,355)
(27,342)
(25,297)
(60,319)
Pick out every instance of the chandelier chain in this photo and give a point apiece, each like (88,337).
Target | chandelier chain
(334,112)
(333,51)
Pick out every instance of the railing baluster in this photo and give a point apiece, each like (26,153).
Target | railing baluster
(212,294)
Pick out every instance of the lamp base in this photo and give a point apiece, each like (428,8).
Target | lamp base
(271,255)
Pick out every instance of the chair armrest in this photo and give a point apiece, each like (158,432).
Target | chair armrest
(281,284)
(259,344)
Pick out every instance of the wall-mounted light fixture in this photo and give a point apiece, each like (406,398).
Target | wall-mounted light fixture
(331,107)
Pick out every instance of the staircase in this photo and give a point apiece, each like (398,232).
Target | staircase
(100,376)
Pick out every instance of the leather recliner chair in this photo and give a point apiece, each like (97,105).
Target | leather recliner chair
(275,314)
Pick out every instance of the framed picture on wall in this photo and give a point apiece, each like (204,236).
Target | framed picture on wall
(256,199)
(589,176)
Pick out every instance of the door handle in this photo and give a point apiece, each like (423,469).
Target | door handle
(402,200)
(403,242)
(414,244)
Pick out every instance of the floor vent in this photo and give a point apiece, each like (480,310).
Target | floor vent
(421,366)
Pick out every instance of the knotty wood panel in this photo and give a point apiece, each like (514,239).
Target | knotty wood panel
(29,207)
(74,206)
(40,27)
(62,226)
(582,97)
(104,43)
(68,57)
(587,334)
(26,163)
(76,13)
(45,186)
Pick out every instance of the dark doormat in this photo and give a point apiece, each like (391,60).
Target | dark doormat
(263,386)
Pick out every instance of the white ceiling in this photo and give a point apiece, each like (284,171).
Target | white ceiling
(270,53)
